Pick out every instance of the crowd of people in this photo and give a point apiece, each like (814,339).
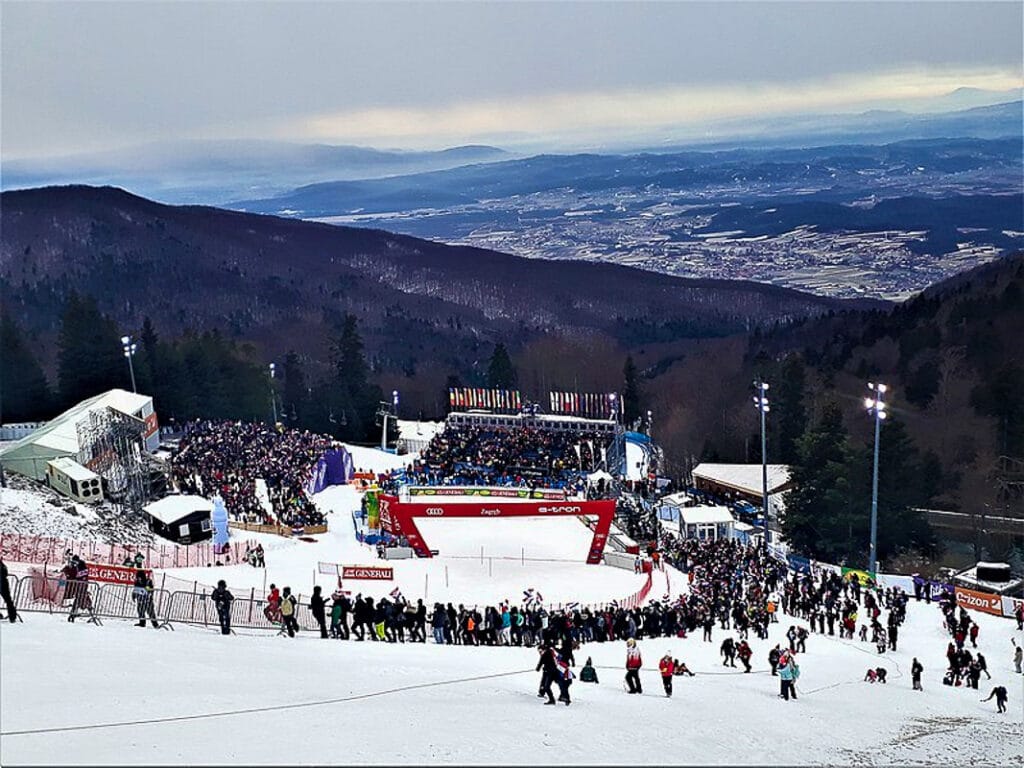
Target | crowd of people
(227,458)
(520,457)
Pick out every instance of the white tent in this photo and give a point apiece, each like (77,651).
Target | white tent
(59,436)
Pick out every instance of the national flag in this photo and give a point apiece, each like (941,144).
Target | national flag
(396,595)
(571,606)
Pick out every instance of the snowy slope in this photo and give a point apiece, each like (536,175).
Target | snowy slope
(312,701)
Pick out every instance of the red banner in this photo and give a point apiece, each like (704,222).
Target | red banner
(367,572)
(112,574)
(979,601)
(152,425)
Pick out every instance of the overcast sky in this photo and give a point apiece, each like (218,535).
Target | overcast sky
(94,75)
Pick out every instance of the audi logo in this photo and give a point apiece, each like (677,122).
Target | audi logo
(435,511)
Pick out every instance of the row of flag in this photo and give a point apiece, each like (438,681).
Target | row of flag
(494,399)
(591,405)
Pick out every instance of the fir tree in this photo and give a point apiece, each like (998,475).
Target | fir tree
(90,359)
(24,393)
(501,374)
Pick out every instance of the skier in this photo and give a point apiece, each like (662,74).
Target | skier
(744,652)
(142,593)
(222,599)
(1000,695)
(633,664)
(773,659)
(667,667)
(915,674)
(5,593)
(317,606)
(588,674)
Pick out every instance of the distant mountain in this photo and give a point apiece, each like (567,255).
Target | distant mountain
(209,171)
(282,282)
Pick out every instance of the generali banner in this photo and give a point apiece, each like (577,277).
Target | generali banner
(979,601)
(367,572)
(112,574)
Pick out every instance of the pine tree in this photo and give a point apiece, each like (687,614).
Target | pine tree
(501,374)
(631,408)
(90,359)
(353,395)
(789,414)
(24,393)
(818,519)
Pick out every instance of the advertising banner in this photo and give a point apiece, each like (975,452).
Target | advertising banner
(333,468)
(862,576)
(1010,606)
(502,493)
(112,574)
(979,601)
(367,572)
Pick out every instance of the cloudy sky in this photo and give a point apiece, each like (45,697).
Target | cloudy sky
(88,76)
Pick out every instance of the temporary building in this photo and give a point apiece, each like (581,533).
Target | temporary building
(58,437)
(184,519)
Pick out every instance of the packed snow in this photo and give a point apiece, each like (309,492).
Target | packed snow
(195,696)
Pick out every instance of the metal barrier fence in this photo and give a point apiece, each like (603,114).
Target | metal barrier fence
(22,548)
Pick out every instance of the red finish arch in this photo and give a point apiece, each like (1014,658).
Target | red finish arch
(399,518)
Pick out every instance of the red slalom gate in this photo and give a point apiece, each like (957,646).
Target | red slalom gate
(399,518)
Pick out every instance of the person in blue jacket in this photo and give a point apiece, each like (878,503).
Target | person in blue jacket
(789,673)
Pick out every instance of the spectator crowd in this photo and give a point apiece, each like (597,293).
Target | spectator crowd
(227,458)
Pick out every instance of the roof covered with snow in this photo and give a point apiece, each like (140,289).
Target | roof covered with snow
(73,469)
(171,509)
(699,515)
(743,477)
(59,436)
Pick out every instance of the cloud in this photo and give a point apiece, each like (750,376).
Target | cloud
(606,113)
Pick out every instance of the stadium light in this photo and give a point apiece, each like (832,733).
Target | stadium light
(129,346)
(876,407)
(761,403)
(273,397)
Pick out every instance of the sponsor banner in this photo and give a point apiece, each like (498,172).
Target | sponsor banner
(152,425)
(503,493)
(367,572)
(113,574)
(328,569)
(853,573)
(979,601)
(333,468)
(798,564)
(1010,606)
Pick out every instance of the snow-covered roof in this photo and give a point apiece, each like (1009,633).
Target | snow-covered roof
(59,436)
(171,509)
(743,477)
(698,515)
(676,499)
(73,469)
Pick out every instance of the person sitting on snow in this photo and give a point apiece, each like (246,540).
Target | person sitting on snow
(588,674)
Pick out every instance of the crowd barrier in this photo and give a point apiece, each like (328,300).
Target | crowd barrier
(22,548)
(279,530)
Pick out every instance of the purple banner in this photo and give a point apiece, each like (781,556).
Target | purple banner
(333,468)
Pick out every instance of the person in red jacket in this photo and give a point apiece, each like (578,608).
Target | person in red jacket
(273,608)
(974,634)
(667,667)
(744,652)
(633,664)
